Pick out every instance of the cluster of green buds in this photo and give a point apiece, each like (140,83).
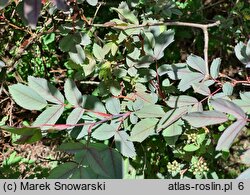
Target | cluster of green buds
(199,167)
(174,167)
(192,138)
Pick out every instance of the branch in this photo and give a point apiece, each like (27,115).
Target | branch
(204,28)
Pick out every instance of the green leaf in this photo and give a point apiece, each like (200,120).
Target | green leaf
(28,134)
(104,161)
(245,174)
(49,38)
(174,71)
(215,68)
(104,132)
(98,52)
(127,14)
(197,63)
(69,42)
(93,154)
(92,2)
(46,90)
(201,88)
(133,57)
(49,117)
(190,148)
(245,158)
(229,107)
(113,105)
(75,116)
(150,111)
(226,139)
(162,42)
(125,146)
(170,117)
(180,101)
(32,10)
(113,161)
(227,88)
(64,171)
(72,93)
(26,97)
(201,119)
(71,147)
(93,103)
(78,55)
(143,129)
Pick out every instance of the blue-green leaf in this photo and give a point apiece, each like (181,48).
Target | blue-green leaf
(93,103)
(197,63)
(201,119)
(180,101)
(124,145)
(245,174)
(26,97)
(143,129)
(170,117)
(226,139)
(49,117)
(77,55)
(215,68)
(150,111)
(104,132)
(161,43)
(113,105)
(74,116)
(229,107)
(72,93)
(46,90)
(201,88)
(227,88)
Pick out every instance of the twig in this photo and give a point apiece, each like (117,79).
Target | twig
(97,9)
